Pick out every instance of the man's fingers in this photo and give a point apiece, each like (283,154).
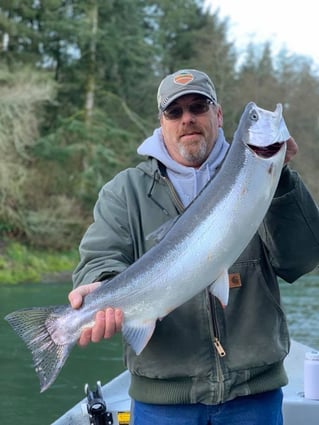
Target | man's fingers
(75,299)
(292,149)
(85,337)
(110,324)
(118,320)
(76,296)
(106,324)
(99,326)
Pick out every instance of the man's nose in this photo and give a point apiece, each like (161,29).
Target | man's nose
(188,116)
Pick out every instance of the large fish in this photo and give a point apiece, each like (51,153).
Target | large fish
(195,252)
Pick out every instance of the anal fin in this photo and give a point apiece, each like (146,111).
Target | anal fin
(137,336)
(220,288)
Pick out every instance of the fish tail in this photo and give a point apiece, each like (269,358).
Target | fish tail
(36,327)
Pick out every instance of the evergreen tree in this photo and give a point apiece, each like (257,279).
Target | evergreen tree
(106,59)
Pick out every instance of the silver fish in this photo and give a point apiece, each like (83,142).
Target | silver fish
(195,253)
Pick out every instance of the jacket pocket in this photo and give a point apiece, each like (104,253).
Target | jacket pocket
(255,324)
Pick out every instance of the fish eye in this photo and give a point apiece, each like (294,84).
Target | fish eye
(254,115)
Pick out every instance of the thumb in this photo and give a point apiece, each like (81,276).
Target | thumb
(76,295)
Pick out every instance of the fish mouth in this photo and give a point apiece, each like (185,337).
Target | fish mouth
(266,151)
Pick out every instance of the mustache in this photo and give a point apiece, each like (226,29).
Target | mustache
(190,130)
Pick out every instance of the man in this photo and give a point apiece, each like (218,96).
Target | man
(180,377)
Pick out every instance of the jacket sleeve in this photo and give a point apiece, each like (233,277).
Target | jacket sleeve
(105,248)
(290,230)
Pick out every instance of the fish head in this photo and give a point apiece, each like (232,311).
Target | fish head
(263,132)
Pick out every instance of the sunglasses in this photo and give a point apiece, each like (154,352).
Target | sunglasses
(174,112)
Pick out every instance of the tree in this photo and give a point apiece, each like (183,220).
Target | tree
(301,110)
(31,207)
(257,77)
(103,61)
(216,56)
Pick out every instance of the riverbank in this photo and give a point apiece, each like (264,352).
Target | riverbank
(23,264)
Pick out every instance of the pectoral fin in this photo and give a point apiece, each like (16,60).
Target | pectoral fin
(220,288)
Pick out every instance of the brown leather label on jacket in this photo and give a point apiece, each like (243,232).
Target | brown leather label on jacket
(234,280)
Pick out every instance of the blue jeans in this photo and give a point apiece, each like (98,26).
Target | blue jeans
(259,409)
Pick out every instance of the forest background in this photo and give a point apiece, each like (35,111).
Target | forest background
(78,82)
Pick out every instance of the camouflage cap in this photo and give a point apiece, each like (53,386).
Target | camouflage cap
(185,81)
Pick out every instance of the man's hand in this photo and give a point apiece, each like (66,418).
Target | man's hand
(292,149)
(107,322)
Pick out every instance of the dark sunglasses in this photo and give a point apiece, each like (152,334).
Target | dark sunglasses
(174,112)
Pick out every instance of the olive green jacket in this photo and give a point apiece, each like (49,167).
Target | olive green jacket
(202,352)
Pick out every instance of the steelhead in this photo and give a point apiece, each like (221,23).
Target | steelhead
(193,254)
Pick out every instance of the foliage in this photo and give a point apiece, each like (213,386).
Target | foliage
(78,85)
(20,264)
(292,81)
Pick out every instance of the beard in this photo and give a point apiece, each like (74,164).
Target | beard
(195,153)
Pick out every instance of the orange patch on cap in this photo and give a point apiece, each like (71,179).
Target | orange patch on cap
(183,78)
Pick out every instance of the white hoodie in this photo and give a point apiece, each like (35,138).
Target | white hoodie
(188,181)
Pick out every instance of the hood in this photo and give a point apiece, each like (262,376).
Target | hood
(188,181)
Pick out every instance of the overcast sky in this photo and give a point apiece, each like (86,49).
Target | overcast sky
(286,24)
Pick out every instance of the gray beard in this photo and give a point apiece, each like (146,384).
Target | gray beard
(197,157)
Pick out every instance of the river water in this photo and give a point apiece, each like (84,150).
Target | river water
(20,399)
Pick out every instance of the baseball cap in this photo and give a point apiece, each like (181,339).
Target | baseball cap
(185,81)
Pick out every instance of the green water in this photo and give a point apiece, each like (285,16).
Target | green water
(20,399)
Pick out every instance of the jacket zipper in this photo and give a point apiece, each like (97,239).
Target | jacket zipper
(176,199)
(218,346)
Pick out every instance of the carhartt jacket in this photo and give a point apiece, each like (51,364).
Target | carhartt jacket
(202,352)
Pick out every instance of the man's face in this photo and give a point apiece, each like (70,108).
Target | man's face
(190,129)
